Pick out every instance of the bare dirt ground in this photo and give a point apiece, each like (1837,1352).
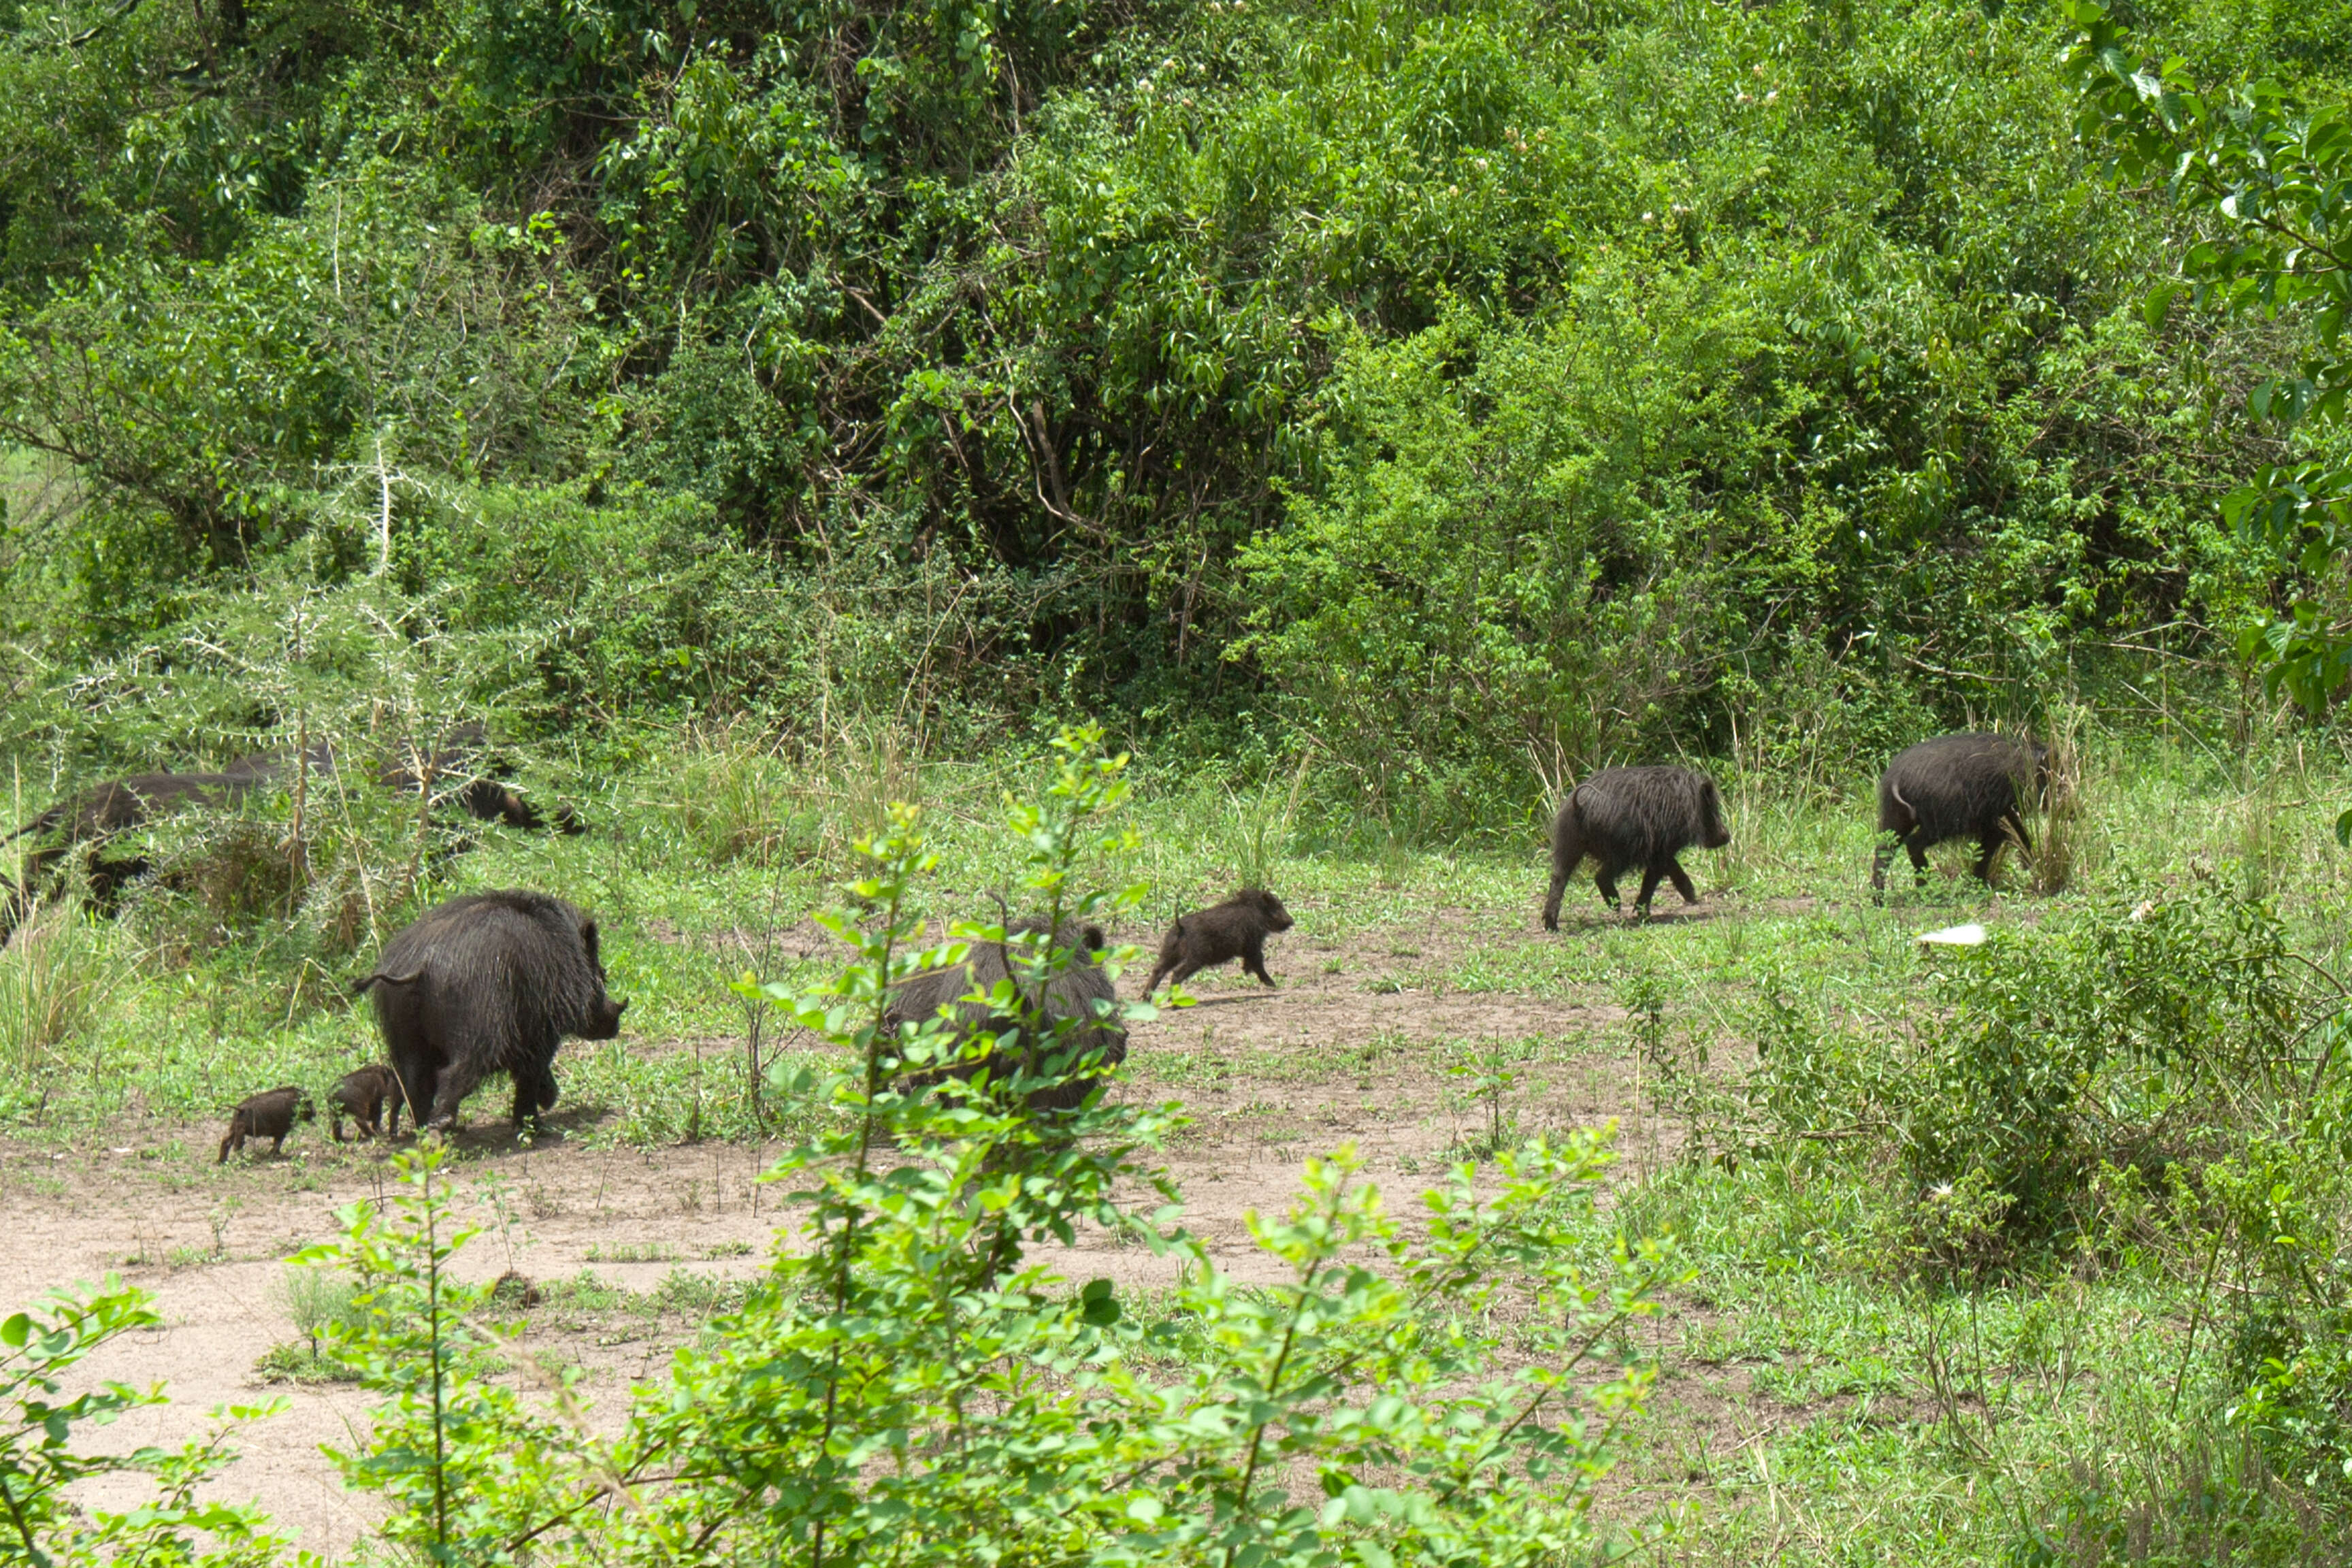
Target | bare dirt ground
(1349,1049)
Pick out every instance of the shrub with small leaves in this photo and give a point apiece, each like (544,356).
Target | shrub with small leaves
(39,1459)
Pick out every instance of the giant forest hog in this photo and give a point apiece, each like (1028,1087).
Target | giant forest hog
(461,767)
(364,1096)
(1081,990)
(487,984)
(1623,817)
(1957,787)
(94,817)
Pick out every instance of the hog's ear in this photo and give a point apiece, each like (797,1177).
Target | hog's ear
(588,939)
(1094,943)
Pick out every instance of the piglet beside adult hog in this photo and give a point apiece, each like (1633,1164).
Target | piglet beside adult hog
(1081,992)
(1623,817)
(1219,934)
(487,984)
(270,1114)
(364,1096)
(1957,787)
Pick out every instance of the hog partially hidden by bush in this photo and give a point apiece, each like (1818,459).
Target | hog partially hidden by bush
(1624,817)
(1081,990)
(104,812)
(487,984)
(1219,934)
(97,814)
(1958,786)
(270,1114)
(364,1096)
(461,768)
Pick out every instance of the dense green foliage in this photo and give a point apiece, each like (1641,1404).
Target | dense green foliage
(1467,392)
(2167,1070)
(2269,167)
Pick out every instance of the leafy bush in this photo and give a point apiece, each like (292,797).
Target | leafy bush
(1474,394)
(38,1458)
(2285,1203)
(1483,589)
(2163,1081)
(2138,1036)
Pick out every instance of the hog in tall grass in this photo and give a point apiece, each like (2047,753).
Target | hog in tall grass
(1080,992)
(1624,817)
(1973,786)
(487,984)
(270,1114)
(462,766)
(1219,934)
(97,816)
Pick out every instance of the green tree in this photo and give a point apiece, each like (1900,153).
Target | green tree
(2264,177)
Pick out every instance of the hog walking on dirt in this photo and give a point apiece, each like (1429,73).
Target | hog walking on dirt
(1623,817)
(1219,934)
(487,984)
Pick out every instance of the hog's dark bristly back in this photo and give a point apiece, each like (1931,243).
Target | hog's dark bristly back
(485,983)
(93,815)
(1958,786)
(1627,818)
(1072,995)
(1636,815)
(515,955)
(1976,785)
(462,767)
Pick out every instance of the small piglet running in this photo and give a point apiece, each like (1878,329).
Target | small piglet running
(1219,934)
(270,1114)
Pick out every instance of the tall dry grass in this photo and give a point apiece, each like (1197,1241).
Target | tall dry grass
(55,980)
(2056,859)
(735,795)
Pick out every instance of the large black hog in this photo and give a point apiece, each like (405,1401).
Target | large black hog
(485,984)
(99,815)
(461,768)
(1958,786)
(1624,817)
(1080,991)
(1219,934)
